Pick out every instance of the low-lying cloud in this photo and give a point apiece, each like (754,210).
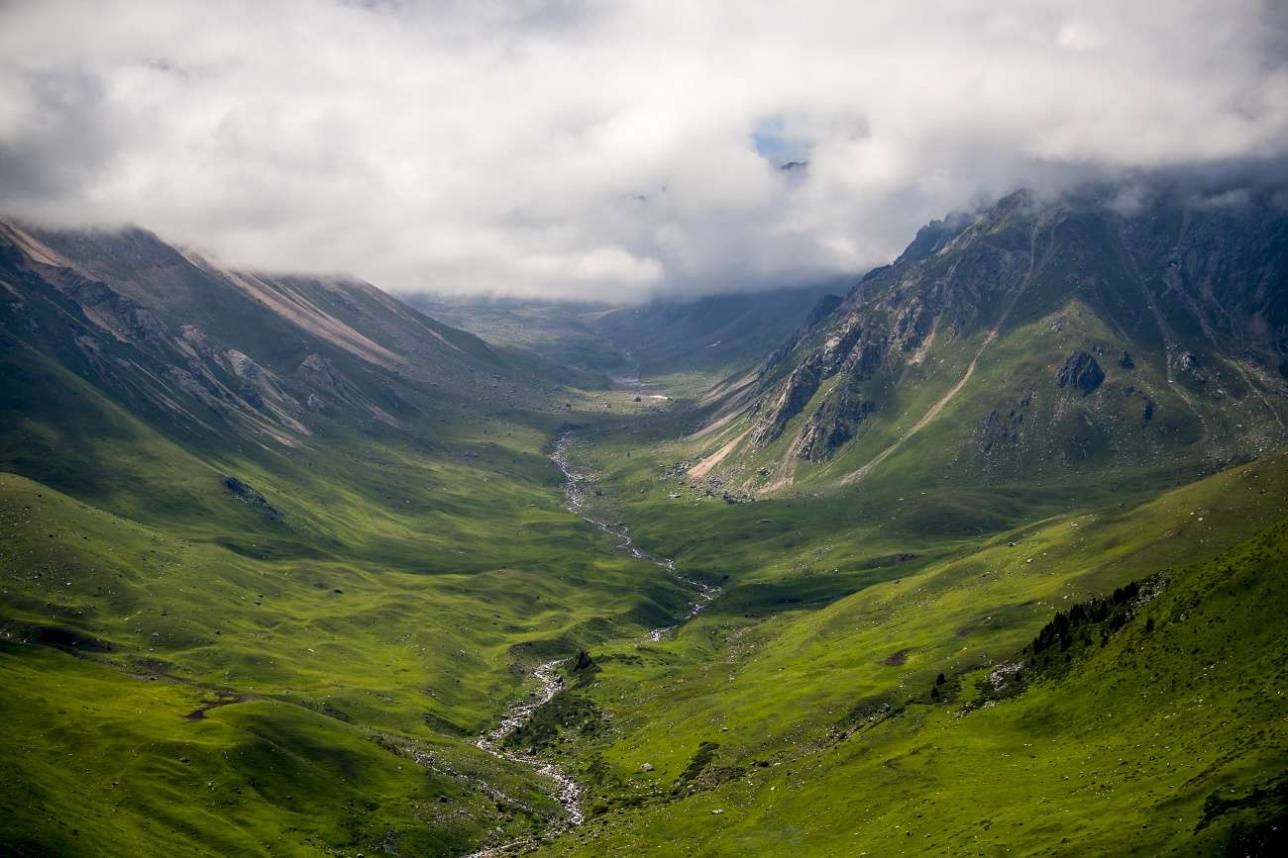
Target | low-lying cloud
(613,150)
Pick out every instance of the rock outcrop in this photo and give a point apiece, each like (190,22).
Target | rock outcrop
(1080,372)
(835,422)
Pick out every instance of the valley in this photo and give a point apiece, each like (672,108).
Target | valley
(550,683)
(566,429)
(980,553)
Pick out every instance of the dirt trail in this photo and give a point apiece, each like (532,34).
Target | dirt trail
(701,469)
(931,413)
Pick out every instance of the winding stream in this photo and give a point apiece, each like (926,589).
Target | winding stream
(576,496)
(567,790)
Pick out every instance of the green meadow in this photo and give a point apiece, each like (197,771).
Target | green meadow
(299,666)
(214,647)
(839,698)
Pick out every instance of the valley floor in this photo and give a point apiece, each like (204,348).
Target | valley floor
(905,711)
(863,684)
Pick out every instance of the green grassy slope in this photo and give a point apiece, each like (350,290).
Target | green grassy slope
(214,641)
(826,733)
(959,366)
(388,601)
(347,605)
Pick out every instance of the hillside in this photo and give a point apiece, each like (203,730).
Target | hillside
(911,706)
(1036,340)
(274,551)
(270,356)
(1033,646)
(982,556)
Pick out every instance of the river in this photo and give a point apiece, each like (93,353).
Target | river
(567,790)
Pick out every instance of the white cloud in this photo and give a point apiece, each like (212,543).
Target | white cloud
(614,149)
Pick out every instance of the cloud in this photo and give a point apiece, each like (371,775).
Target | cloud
(613,150)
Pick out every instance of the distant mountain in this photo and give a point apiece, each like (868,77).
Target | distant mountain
(205,351)
(559,334)
(706,337)
(1032,338)
(715,334)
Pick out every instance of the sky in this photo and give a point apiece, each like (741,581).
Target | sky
(608,150)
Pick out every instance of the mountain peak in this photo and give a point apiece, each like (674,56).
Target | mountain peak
(979,316)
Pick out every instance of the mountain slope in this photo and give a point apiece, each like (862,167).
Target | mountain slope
(926,513)
(920,714)
(267,354)
(275,550)
(709,337)
(1036,338)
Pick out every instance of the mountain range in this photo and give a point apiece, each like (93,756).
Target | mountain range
(980,551)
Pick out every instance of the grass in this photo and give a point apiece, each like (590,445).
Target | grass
(825,730)
(110,764)
(346,638)
(386,595)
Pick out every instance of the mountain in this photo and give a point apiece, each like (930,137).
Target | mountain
(997,538)
(683,344)
(557,333)
(210,350)
(1038,339)
(980,554)
(712,335)
(273,551)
